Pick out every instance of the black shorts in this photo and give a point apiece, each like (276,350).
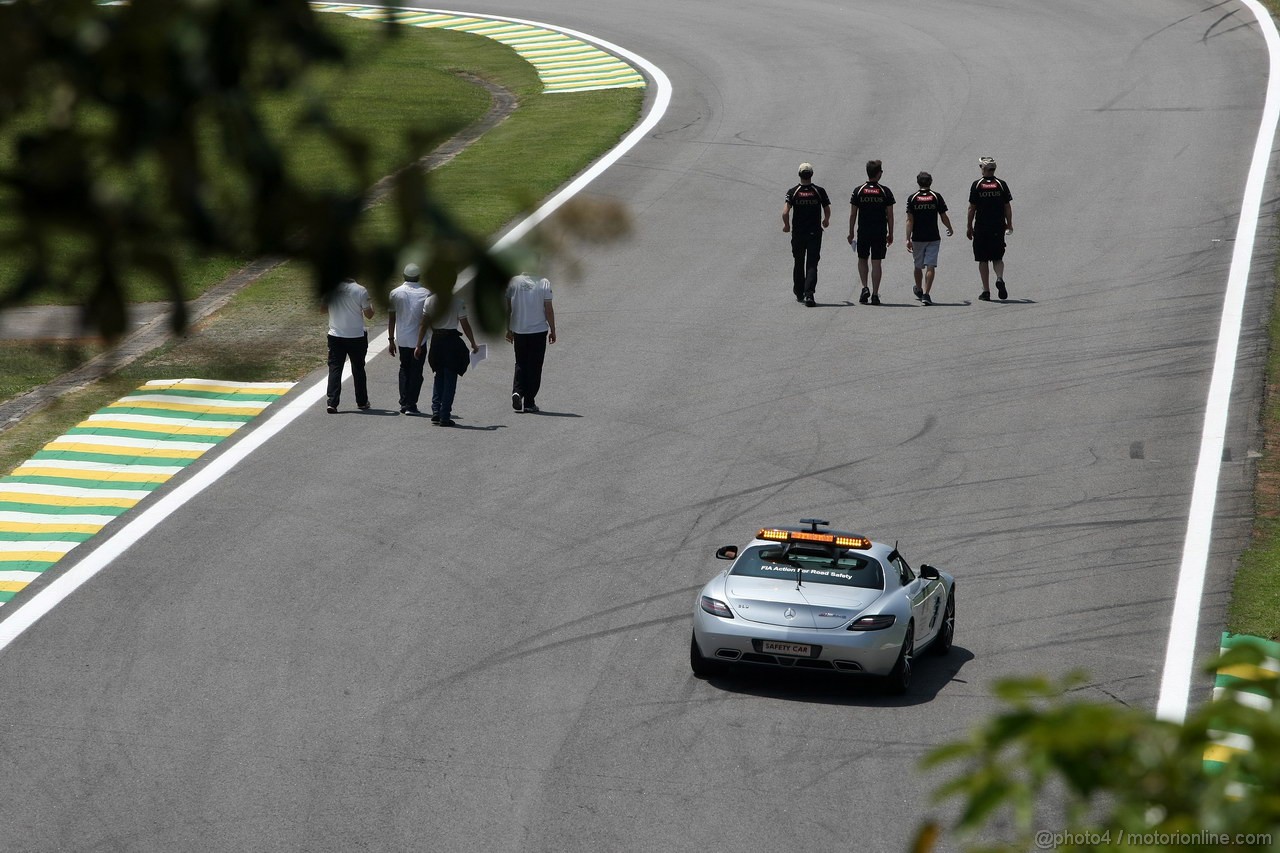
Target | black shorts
(988,245)
(874,248)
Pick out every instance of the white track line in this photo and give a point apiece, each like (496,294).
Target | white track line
(1179,659)
(17,621)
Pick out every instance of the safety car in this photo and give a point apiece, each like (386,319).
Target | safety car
(805,598)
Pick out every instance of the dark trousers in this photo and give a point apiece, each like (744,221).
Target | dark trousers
(531,350)
(341,349)
(411,369)
(443,388)
(806,249)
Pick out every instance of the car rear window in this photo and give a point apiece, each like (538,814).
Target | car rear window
(847,568)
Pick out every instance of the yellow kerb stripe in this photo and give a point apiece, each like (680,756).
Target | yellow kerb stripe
(96,476)
(27,557)
(115,450)
(59,500)
(12,586)
(50,529)
(1220,753)
(196,408)
(1249,672)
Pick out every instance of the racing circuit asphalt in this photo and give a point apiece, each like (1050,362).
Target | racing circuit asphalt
(379,635)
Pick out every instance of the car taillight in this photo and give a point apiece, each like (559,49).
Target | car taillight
(716,608)
(872,623)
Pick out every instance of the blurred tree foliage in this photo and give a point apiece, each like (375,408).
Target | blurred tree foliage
(1055,773)
(116,117)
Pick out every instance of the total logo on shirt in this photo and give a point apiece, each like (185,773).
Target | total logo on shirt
(989,189)
(805,195)
(925,201)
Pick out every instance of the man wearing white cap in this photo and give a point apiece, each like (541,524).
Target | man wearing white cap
(812,209)
(402,328)
(990,219)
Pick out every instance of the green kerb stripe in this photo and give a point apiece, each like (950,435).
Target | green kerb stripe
(83,484)
(1270,647)
(139,433)
(48,509)
(1245,685)
(79,456)
(205,395)
(29,565)
(45,537)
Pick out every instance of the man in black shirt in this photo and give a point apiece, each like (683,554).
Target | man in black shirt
(871,223)
(812,214)
(990,219)
(924,207)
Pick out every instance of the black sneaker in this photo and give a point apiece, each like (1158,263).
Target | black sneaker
(808,300)
(363,408)
(875,299)
(799,297)
(435,419)
(1004,294)
(866,294)
(925,300)
(333,410)
(446,422)
(984,296)
(517,402)
(918,292)
(531,408)
(411,410)
(404,410)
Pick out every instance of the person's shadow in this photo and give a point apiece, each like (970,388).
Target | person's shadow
(472,427)
(544,413)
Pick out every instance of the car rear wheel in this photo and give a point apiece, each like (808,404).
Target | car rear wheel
(947,633)
(703,667)
(899,679)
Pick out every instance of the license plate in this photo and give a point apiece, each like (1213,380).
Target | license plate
(774,647)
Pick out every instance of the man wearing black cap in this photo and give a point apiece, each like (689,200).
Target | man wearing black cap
(990,219)
(809,201)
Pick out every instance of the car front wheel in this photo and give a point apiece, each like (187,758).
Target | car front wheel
(947,633)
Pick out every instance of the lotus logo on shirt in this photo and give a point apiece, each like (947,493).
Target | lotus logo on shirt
(789,613)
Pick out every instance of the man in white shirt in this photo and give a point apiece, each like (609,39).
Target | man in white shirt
(446,353)
(531,325)
(348,307)
(403,319)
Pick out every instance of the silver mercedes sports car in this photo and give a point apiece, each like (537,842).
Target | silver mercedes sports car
(800,597)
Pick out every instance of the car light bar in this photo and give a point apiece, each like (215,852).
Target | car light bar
(775,535)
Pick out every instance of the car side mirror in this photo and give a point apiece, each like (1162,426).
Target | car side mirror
(727,552)
(928,572)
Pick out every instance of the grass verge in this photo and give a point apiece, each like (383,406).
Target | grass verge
(388,88)
(1255,596)
(272,329)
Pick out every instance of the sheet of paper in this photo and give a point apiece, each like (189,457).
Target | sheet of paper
(477,357)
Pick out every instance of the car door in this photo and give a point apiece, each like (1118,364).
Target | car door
(923,597)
